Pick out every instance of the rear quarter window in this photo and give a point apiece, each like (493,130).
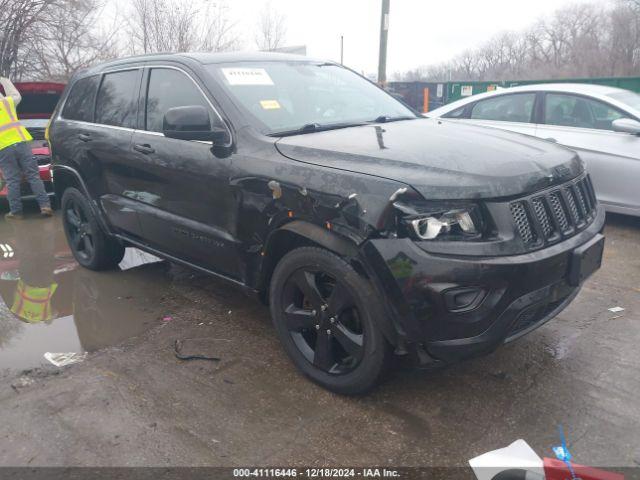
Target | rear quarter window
(457,113)
(81,100)
(118,99)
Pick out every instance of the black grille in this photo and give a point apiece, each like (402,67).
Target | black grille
(554,214)
(522,222)
(559,211)
(571,202)
(542,215)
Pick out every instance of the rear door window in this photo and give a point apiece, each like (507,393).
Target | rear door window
(506,108)
(168,89)
(581,112)
(118,98)
(81,101)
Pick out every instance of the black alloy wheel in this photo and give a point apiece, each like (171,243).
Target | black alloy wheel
(91,246)
(326,315)
(323,320)
(81,234)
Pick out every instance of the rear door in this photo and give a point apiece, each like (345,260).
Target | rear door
(181,188)
(585,125)
(108,164)
(73,125)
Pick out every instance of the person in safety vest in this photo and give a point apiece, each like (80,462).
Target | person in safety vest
(16,159)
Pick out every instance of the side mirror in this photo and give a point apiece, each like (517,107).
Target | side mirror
(626,125)
(193,123)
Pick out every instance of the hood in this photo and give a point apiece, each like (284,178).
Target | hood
(440,159)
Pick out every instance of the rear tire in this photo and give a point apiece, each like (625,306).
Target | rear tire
(91,246)
(326,316)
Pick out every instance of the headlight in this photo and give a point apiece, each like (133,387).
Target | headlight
(428,228)
(431,222)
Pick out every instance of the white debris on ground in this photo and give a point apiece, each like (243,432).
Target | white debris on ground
(519,455)
(64,359)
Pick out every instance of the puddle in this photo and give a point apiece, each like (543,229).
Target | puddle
(48,303)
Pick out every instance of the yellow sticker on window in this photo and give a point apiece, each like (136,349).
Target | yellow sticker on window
(269,104)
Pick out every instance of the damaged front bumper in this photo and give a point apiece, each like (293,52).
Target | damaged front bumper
(448,308)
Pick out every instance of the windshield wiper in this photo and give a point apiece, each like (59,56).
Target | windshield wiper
(318,127)
(387,119)
(315,127)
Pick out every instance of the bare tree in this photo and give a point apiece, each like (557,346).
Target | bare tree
(625,39)
(575,41)
(271,28)
(17,18)
(68,39)
(169,26)
(161,26)
(220,31)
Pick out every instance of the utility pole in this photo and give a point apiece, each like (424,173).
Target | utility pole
(384,31)
(341,49)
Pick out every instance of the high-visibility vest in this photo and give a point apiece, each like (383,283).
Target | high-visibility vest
(33,304)
(11,130)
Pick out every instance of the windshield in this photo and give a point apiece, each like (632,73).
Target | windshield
(284,97)
(627,97)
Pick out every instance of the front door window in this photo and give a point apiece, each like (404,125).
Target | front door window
(581,112)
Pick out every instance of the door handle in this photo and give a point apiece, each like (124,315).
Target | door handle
(551,139)
(144,148)
(85,137)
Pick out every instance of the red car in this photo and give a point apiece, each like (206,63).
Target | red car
(39,99)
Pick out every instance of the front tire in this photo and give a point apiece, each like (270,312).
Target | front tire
(91,246)
(325,314)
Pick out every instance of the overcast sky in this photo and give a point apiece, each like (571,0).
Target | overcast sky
(421,32)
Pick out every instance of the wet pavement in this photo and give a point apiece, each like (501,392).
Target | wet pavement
(133,403)
(49,304)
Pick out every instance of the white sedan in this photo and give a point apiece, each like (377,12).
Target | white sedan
(601,123)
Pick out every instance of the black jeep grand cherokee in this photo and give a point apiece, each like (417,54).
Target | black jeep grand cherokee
(368,229)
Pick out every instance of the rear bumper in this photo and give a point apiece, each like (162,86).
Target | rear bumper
(26,193)
(455,307)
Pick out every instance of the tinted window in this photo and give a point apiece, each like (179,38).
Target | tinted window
(581,112)
(117,99)
(79,105)
(505,108)
(169,89)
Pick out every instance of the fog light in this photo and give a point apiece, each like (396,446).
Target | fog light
(463,299)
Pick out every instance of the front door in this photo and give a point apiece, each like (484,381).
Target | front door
(181,187)
(612,158)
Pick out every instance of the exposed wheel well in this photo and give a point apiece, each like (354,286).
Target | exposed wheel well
(302,234)
(63,179)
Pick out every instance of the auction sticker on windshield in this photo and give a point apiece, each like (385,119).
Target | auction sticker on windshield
(270,104)
(247,76)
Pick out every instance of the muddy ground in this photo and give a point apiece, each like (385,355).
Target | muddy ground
(133,403)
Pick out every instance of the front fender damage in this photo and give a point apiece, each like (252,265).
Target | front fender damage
(342,218)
